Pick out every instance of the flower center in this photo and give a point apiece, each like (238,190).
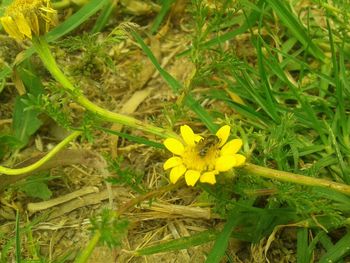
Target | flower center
(199,159)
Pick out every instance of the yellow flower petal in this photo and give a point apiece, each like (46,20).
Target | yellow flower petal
(208,177)
(192,177)
(240,159)
(225,163)
(187,134)
(176,173)
(11,28)
(231,147)
(223,134)
(23,26)
(172,162)
(174,146)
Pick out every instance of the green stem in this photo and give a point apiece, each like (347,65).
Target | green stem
(44,53)
(34,166)
(84,256)
(295,178)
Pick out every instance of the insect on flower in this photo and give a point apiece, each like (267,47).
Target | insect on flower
(206,144)
(202,158)
(24,18)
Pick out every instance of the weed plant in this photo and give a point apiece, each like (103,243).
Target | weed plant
(277,72)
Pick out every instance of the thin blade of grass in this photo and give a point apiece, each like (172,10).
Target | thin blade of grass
(82,15)
(338,251)
(222,240)
(307,115)
(333,140)
(132,138)
(104,16)
(180,243)
(270,101)
(176,86)
(247,83)
(18,239)
(251,19)
(166,5)
(298,30)
(303,255)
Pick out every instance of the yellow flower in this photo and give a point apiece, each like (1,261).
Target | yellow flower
(202,158)
(23,18)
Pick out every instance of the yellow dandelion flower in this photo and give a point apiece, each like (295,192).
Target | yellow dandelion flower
(24,18)
(202,158)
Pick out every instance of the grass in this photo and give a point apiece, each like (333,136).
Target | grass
(275,71)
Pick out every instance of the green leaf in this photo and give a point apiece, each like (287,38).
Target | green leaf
(25,121)
(180,243)
(37,189)
(8,142)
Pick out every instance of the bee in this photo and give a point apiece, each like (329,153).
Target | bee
(206,144)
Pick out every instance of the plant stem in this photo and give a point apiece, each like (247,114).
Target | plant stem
(42,48)
(295,178)
(47,157)
(84,256)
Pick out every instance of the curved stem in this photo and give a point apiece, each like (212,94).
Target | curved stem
(295,178)
(36,165)
(44,52)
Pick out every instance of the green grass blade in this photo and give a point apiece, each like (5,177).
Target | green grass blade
(221,242)
(18,239)
(247,83)
(333,140)
(82,15)
(166,5)
(180,243)
(298,30)
(104,16)
(338,251)
(250,20)
(173,83)
(201,113)
(310,119)
(176,86)
(303,255)
(270,101)
(132,138)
